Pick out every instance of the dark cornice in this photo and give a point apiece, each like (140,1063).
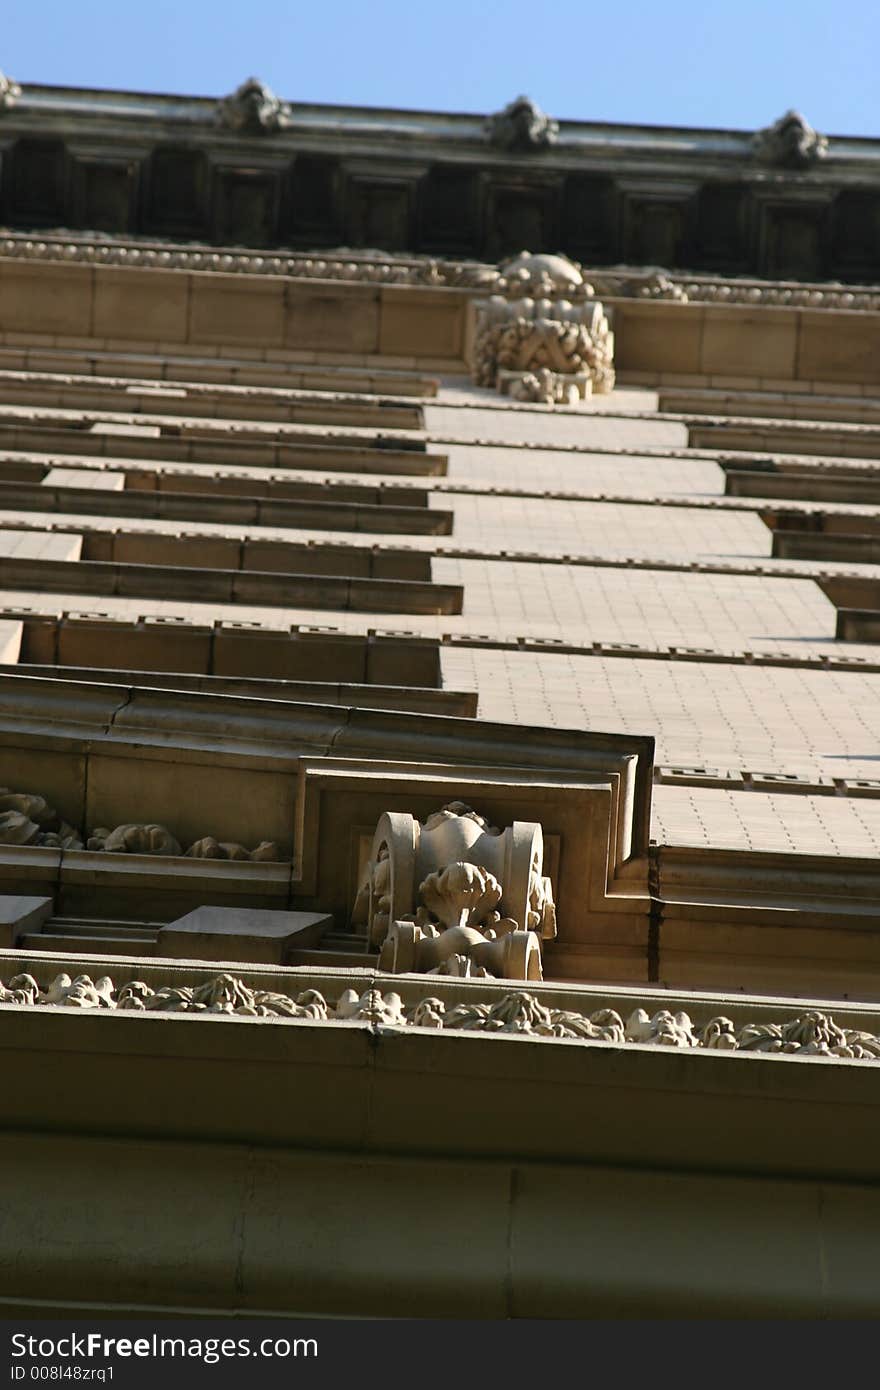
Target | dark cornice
(252,170)
(365,124)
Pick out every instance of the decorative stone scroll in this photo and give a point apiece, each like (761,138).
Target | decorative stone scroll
(810,1034)
(253,109)
(456,895)
(791,142)
(522,125)
(27,819)
(9,93)
(542,335)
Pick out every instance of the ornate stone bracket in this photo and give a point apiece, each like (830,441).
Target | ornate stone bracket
(456,896)
(542,335)
(253,109)
(522,125)
(791,142)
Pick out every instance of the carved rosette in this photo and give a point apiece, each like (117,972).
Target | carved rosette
(542,335)
(791,142)
(253,109)
(522,125)
(457,896)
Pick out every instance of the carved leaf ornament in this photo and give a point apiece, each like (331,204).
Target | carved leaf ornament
(811,1035)
(27,819)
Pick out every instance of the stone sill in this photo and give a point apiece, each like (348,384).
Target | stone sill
(367,1088)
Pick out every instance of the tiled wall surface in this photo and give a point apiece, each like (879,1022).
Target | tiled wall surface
(715,715)
(592,525)
(714,818)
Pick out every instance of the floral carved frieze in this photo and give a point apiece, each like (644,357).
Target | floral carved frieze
(456,896)
(253,109)
(541,335)
(27,819)
(808,1034)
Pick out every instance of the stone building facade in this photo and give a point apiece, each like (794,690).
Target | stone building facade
(438,713)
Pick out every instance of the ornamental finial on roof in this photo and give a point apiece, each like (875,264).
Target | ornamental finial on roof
(253,109)
(521,126)
(9,92)
(790,141)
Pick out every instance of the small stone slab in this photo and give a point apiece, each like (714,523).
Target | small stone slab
(241,934)
(21,915)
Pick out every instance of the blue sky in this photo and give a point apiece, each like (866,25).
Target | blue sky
(677,63)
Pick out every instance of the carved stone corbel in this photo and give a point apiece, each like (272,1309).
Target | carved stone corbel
(791,141)
(456,895)
(253,109)
(542,335)
(522,125)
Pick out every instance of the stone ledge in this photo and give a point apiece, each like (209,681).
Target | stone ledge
(765,1027)
(625,283)
(361,1084)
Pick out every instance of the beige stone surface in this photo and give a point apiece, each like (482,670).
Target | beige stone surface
(607,529)
(21,914)
(578,604)
(646,340)
(759,718)
(786,823)
(125,428)
(10,640)
(372,1158)
(46,299)
(324,319)
(627,475)
(623,400)
(408,318)
(738,342)
(103,479)
(843,356)
(553,426)
(132,303)
(722,612)
(39,545)
(239,934)
(812,722)
(228,310)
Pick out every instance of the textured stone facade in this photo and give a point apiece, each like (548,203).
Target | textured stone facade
(453,680)
(250,169)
